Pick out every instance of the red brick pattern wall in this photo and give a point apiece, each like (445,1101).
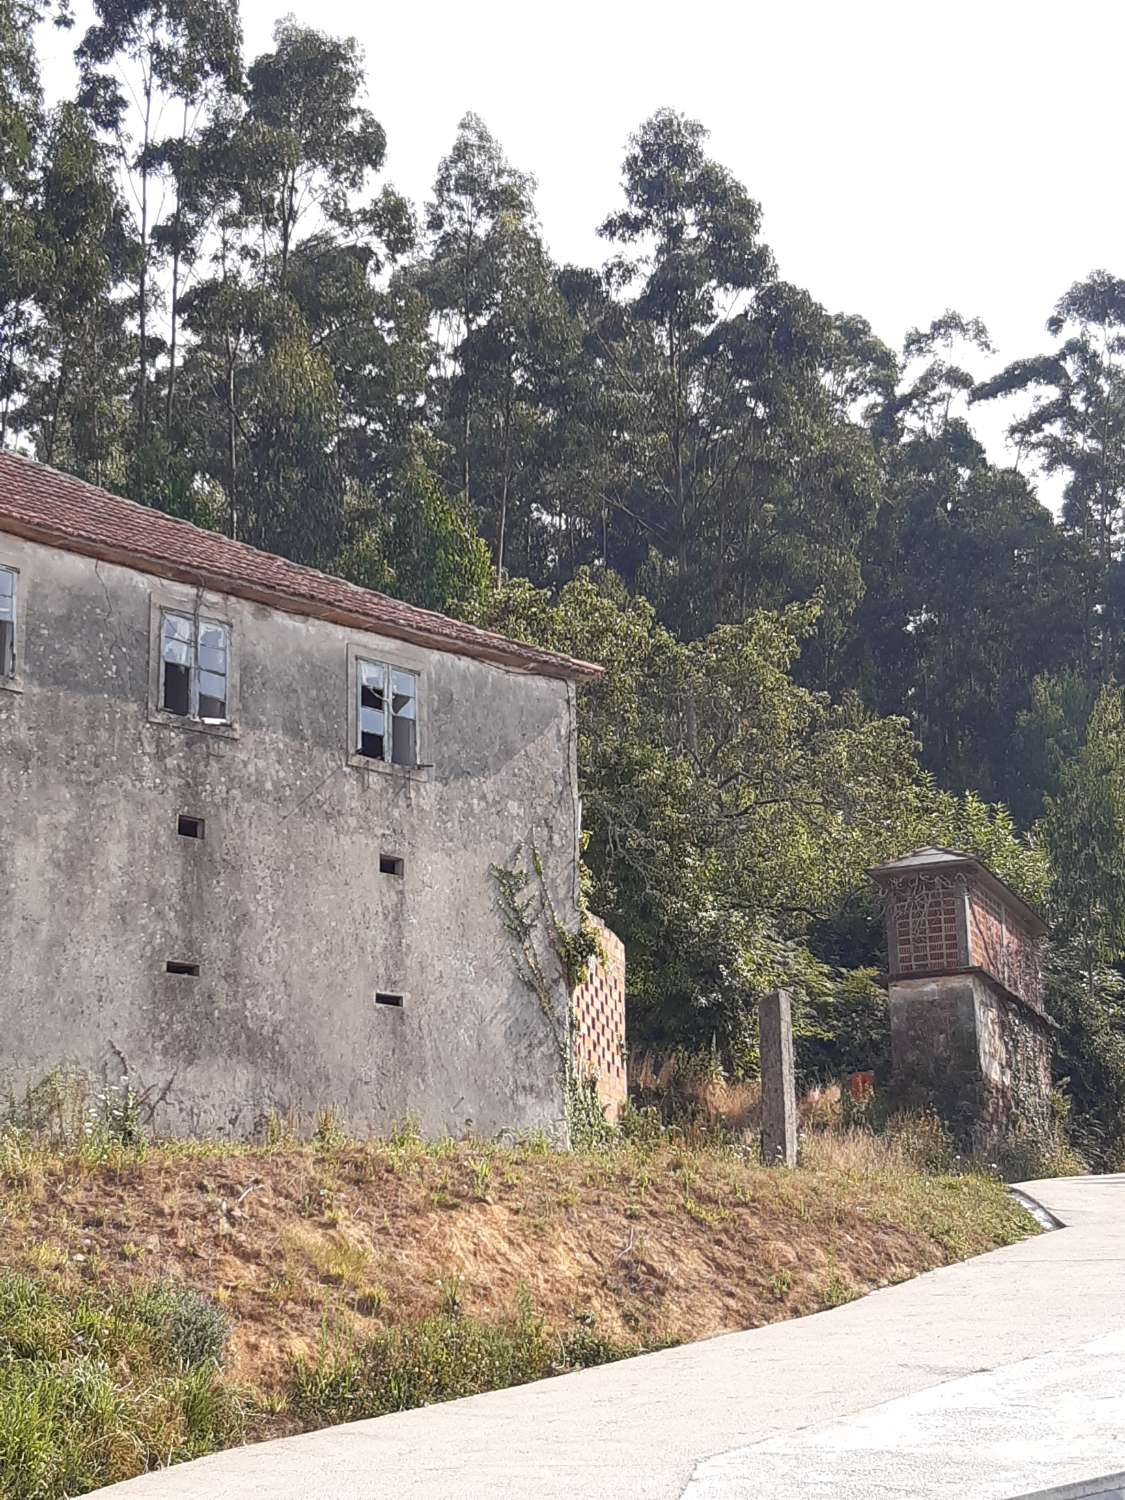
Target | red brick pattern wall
(925,933)
(924,910)
(986,931)
(599,1023)
(1001,944)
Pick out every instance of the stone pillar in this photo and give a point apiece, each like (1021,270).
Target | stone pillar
(969,1035)
(779,1086)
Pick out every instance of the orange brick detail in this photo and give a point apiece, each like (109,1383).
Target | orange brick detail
(599,1023)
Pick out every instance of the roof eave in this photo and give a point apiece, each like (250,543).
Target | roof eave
(882,875)
(530,661)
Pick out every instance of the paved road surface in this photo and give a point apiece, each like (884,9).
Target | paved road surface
(996,1378)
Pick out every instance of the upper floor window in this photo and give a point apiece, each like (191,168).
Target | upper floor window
(7,622)
(194,668)
(387,713)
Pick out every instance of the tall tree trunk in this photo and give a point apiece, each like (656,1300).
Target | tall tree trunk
(169,403)
(506,471)
(9,371)
(142,278)
(56,406)
(232,442)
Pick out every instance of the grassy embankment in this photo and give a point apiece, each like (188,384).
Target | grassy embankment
(160,1300)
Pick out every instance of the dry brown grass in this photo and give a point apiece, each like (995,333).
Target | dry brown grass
(682,1087)
(669,1242)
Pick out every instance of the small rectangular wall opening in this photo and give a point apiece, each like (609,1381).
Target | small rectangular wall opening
(178,966)
(384,997)
(188,827)
(390,864)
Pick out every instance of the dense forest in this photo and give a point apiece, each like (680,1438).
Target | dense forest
(833,629)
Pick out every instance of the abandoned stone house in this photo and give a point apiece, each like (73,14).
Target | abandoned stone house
(249,815)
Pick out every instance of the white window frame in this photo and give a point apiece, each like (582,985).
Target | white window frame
(398,656)
(388,669)
(197,624)
(10,669)
(168,600)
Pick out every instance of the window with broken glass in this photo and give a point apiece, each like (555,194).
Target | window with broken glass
(387,713)
(7,622)
(194,668)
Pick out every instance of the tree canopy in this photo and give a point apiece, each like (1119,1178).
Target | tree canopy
(833,625)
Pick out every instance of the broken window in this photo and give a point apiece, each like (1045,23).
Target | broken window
(194,665)
(7,622)
(387,713)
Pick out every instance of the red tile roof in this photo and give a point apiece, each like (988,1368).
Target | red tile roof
(61,511)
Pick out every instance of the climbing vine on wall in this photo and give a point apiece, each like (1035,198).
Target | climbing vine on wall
(534,926)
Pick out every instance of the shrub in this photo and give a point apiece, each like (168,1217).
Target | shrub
(96,1388)
(440,1359)
(196,1327)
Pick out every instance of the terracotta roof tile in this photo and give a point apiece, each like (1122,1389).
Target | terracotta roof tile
(61,511)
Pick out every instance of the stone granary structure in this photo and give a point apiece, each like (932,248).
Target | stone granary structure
(250,817)
(969,1034)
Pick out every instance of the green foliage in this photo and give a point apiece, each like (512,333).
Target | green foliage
(95,1387)
(842,1026)
(196,1328)
(416,545)
(726,806)
(1048,734)
(832,628)
(1089,1009)
(1084,830)
(441,1358)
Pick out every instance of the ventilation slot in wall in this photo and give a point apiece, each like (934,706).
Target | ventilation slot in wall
(189,828)
(383,997)
(389,864)
(176,966)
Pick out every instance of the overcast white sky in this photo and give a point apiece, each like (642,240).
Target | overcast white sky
(908,156)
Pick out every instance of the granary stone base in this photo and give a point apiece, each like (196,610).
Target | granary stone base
(964,1047)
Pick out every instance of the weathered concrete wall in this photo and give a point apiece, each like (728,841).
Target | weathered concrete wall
(599,1023)
(981,1059)
(282,904)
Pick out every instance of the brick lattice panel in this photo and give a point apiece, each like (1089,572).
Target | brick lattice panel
(599,1023)
(1000,943)
(925,917)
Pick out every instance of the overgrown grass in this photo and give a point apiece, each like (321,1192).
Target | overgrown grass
(97,1387)
(102,1377)
(440,1359)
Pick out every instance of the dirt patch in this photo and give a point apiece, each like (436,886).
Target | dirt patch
(303,1244)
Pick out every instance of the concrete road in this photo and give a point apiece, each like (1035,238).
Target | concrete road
(1000,1377)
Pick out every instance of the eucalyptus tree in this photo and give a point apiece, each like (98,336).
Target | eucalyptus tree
(752,477)
(22,263)
(693,233)
(137,58)
(81,351)
(1074,426)
(970,589)
(487,280)
(1083,829)
(307,149)
(291,325)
